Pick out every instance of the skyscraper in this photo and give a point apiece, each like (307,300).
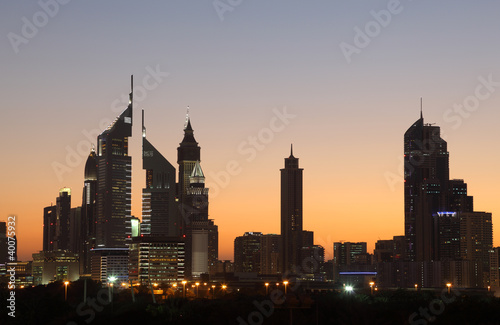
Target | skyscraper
(89,211)
(3,243)
(63,211)
(49,228)
(247,252)
(270,252)
(188,153)
(202,236)
(476,240)
(291,213)
(114,182)
(156,259)
(426,177)
(159,211)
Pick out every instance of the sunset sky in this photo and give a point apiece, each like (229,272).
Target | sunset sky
(348,74)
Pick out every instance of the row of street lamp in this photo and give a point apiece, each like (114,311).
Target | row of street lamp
(347,288)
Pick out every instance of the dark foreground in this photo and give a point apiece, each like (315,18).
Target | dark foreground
(46,305)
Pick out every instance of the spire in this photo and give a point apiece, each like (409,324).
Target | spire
(187,119)
(421,110)
(291,151)
(131,95)
(143,127)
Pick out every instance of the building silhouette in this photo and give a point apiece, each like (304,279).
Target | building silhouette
(49,228)
(270,254)
(201,233)
(156,259)
(291,215)
(445,240)
(159,210)
(63,216)
(426,178)
(247,252)
(476,240)
(188,153)
(4,256)
(114,182)
(88,212)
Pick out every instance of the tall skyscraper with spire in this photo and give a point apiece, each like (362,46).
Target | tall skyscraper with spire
(426,179)
(159,210)
(292,234)
(188,153)
(114,181)
(200,232)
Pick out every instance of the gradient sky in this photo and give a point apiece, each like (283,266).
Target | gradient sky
(69,76)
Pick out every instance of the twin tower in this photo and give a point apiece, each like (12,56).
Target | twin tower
(170,210)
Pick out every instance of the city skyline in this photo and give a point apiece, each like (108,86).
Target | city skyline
(348,118)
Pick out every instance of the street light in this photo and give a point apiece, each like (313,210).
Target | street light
(348,289)
(267,287)
(285,283)
(449,287)
(111,279)
(224,287)
(184,288)
(416,286)
(489,288)
(213,291)
(371,287)
(197,284)
(66,290)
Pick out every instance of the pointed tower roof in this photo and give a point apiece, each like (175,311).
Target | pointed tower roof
(291,162)
(188,126)
(188,135)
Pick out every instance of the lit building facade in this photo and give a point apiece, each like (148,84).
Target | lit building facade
(157,259)
(247,252)
(159,209)
(114,182)
(55,266)
(109,262)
